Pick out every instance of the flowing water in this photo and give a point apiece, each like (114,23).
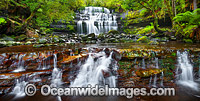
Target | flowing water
(56,74)
(91,72)
(18,90)
(96,20)
(186,78)
(20,64)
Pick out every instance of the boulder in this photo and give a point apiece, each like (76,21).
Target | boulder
(42,40)
(113,32)
(7,38)
(143,39)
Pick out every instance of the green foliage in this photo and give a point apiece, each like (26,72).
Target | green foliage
(40,13)
(188,22)
(147,29)
(2,21)
(187,40)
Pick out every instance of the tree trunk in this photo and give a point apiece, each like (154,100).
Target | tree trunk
(194,4)
(155,23)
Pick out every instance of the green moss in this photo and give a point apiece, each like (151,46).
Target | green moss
(143,39)
(187,40)
(113,32)
(147,29)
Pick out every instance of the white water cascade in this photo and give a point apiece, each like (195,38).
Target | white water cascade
(186,77)
(18,90)
(96,20)
(155,76)
(56,74)
(20,66)
(143,64)
(91,72)
(56,78)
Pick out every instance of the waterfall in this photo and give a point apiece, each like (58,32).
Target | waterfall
(155,76)
(143,63)
(97,20)
(186,77)
(162,76)
(156,61)
(91,72)
(56,74)
(150,81)
(154,80)
(20,66)
(18,90)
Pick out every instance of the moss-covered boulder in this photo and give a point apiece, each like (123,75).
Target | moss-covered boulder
(22,37)
(143,39)
(113,32)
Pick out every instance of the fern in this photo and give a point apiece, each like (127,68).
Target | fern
(189,22)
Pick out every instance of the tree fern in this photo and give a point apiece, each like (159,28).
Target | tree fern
(190,22)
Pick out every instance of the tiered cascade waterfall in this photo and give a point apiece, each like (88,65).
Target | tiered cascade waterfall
(96,20)
(20,66)
(186,78)
(92,71)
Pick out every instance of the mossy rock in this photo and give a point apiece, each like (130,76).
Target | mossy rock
(55,39)
(10,43)
(114,32)
(38,45)
(28,43)
(187,40)
(22,37)
(143,39)
(91,36)
(2,44)
(7,38)
(42,40)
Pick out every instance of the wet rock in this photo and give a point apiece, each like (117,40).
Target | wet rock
(2,44)
(164,39)
(32,34)
(10,43)
(172,38)
(116,55)
(42,40)
(28,43)
(91,36)
(107,51)
(7,38)
(55,39)
(22,37)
